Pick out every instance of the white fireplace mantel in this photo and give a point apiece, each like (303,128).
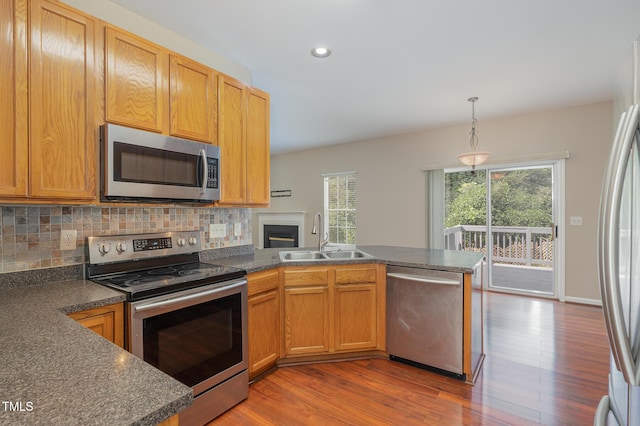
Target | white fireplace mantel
(281,218)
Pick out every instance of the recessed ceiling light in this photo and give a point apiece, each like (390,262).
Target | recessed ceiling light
(320,52)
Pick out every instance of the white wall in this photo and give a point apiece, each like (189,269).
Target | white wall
(390,183)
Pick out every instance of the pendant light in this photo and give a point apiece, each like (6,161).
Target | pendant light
(473,158)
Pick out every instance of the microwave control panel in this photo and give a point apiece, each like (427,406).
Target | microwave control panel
(212,173)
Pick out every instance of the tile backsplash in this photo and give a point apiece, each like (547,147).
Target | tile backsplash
(30,236)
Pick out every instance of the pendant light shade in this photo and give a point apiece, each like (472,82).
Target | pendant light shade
(473,158)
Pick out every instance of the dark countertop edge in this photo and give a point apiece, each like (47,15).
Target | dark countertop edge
(165,412)
(83,306)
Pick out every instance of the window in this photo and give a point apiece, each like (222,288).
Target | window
(340,207)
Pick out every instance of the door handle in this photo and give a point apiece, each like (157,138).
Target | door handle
(608,256)
(205,171)
(600,418)
(425,280)
(187,298)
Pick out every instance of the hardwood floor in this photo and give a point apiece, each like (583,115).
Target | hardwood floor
(547,363)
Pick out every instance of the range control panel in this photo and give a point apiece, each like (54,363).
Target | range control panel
(119,248)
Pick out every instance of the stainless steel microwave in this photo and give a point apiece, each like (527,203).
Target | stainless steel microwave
(138,165)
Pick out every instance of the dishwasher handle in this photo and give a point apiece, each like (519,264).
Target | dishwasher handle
(426,280)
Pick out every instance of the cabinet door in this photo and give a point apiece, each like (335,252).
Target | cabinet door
(355,317)
(264,331)
(265,324)
(136,73)
(356,324)
(306,320)
(231,139)
(107,321)
(14,134)
(194,102)
(63,129)
(258,151)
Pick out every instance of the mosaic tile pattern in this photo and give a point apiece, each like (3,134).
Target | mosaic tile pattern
(30,236)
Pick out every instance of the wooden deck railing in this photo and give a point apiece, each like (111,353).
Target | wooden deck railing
(528,246)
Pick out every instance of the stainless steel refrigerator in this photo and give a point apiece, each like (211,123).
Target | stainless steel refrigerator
(619,258)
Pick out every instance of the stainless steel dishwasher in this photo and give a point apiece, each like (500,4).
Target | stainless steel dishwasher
(425,318)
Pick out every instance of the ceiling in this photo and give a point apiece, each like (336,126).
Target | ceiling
(404,66)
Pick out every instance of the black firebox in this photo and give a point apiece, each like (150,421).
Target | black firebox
(280,236)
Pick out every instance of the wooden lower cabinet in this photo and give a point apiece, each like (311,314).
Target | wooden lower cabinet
(265,325)
(107,321)
(335,308)
(307,320)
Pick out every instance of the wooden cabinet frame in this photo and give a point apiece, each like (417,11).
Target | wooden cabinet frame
(107,321)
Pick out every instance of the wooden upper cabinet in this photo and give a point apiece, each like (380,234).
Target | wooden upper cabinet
(193,100)
(243,137)
(258,150)
(62,106)
(231,139)
(136,81)
(14,133)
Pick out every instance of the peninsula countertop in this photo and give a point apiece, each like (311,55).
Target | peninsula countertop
(444,260)
(55,371)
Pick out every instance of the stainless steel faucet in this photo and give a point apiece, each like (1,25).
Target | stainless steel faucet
(317,223)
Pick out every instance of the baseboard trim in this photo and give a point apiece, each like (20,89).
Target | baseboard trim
(583,301)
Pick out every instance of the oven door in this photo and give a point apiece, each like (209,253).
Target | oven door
(197,336)
(143,165)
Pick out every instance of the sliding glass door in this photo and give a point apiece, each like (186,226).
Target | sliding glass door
(508,215)
(521,230)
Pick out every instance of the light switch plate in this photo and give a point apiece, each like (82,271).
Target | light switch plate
(68,239)
(217,230)
(237,229)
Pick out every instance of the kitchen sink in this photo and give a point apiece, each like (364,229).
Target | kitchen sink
(301,255)
(349,254)
(318,256)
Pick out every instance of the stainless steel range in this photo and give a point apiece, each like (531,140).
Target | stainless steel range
(185,317)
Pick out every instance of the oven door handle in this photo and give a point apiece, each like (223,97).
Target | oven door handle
(188,297)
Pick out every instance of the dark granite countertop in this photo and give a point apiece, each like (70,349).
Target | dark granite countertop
(59,372)
(444,260)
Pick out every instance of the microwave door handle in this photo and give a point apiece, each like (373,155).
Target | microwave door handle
(205,171)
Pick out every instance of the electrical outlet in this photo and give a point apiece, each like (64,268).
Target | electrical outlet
(237,229)
(576,220)
(217,230)
(68,239)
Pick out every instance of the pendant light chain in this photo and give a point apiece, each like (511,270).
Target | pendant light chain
(473,158)
(473,140)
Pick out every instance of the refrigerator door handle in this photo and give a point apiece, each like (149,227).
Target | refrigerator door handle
(600,419)
(608,226)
